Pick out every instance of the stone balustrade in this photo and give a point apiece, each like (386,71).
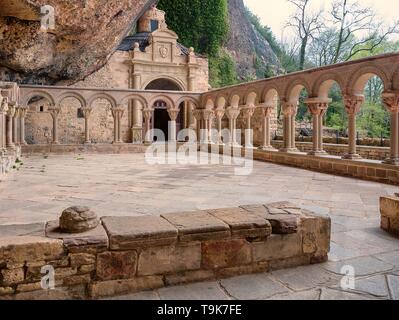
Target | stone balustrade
(131,254)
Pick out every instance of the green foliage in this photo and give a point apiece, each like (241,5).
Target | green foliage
(222,70)
(201,24)
(373,121)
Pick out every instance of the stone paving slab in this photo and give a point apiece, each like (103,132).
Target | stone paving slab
(332,294)
(129,232)
(33,229)
(197,291)
(393,283)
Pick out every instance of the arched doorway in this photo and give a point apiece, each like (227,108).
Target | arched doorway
(161,117)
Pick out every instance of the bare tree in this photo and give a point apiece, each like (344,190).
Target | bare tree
(307,25)
(352,19)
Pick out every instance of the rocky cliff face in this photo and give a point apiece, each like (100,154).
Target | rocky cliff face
(86,33)
(251,52)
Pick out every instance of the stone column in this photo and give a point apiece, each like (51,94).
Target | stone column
(148,114)
(232,114)
(15,137)
(391,102)
(137,113)
(3,113)
(173,113)
(266,113)
(248,113)
(87,112)
(352,107)
(219,114)
(117,113)
(318,109)
(55,111)
(22,115)
(10,115)
(207,117)
(289,111)
(198,115)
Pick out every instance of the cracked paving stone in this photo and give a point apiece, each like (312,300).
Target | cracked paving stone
(306,277)
(332,294)
(393,283)
(389,257)
(363,266)
(196,291)
(375,286)
(252,287)
(302,295)
(146,295)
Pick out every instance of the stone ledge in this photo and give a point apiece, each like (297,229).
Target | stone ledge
(131,254)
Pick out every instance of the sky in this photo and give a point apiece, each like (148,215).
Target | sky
(275,13)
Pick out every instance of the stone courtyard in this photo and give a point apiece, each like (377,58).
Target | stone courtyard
(125,185)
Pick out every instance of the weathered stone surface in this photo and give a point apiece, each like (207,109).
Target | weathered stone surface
(29,248)
(131,232)
(393,283)
(332,294)
(243,223)
(115,287)
(87,268)
(34,229)
(198,226)
(363,266)
(189,276)
(13,276)
(389,207)
(196,291)
(116,265)
(29,287)
(97,238)
(292,262)
(76,280)
(225,253)
(298,296)
(79,259)
(78,220)
(169,259)
(260,267)
(6,291)
(278,247)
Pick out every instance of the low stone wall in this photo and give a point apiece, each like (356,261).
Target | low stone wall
(366,152)
(130,254)
(7,160)
(389,208)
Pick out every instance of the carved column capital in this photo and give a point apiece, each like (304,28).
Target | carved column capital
(147,113)
(232,113)
(290,109)
(173,113)
(353,103)
(391,101)
(86,112)
(198,114)
(3,104)
(208,114)
(317,107)
(267,111)
(117,112)
(11,110)
(248,112)
(23,110)
(54,111)
(219,113)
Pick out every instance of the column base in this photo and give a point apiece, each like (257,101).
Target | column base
(391,161)
(353,156)
(137,135)
(290,150)
(11,147)
(267,148)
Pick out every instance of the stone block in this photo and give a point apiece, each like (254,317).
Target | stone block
(277,247)
(389,207)
(260,267)
(385,223)
(29,287)
(79,259)
(225,253)
(76,280)
(243,224)
(86,268)
(29,248)
(188,277)
(96,238)
(12,277)
(119,287)
(198,226)
(169,259)
(116,265)
(6,291)
(127,233)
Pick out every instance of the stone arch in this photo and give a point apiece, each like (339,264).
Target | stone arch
(221,102)
(187,99)
(103,96)
(71,94)
(126,99)
(251,96)
(169,101)
(270,94)
(180,84)
(294,89)
(359,79)
(209,103)
(38,93)
(71,122)
(324,83)
(395,79)
(234,100)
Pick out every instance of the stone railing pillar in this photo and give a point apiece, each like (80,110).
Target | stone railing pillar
(391,102)
(10,116)
(289,111)
(318,109)
(352,107)
(173,113)
(23,111)
(55,111)
(233,113)
(87,112)
(148,113)
(266,141)
(117,113)
(219,114)
(3,114)
(248,113)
